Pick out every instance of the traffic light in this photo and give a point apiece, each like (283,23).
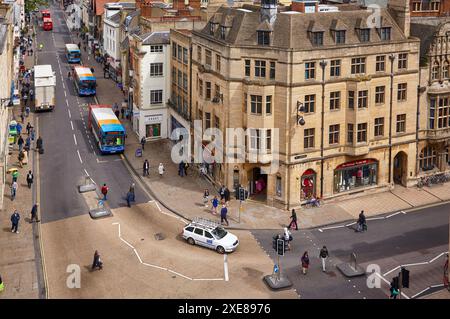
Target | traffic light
(280,247)
(241,193)
(405,278)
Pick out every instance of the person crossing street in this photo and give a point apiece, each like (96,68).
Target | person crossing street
(104,191)
(323,256)
(146,168)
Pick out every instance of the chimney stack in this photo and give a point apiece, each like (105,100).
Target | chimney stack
(400,11)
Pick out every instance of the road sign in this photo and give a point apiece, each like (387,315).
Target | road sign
(275,269)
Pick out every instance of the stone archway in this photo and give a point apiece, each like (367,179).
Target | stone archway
(400,168)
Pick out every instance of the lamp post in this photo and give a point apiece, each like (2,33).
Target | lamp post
(323,64)
(391,58)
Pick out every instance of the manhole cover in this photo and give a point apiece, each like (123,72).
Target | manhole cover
(159,236)
(331,273)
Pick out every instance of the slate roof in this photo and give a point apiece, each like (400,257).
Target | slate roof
(160,37)
(290,30)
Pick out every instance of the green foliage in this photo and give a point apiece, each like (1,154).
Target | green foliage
(31,5)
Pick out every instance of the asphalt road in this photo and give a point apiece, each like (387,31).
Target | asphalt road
(413,237)
(70,150)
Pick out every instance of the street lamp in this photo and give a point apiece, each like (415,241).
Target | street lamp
(300,111)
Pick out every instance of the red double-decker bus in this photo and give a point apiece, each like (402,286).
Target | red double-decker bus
(48,24)
(45,14)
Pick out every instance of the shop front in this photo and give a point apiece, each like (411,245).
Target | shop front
(356,174)
(153,125)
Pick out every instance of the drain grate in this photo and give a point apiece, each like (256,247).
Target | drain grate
(159,236)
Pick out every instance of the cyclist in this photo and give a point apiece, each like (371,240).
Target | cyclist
(41,46)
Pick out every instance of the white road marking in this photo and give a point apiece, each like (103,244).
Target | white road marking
(86,172)
(98,161)
(70,114)
(159,267)
(74,137)
(417,264)
(71,124)
(65,94)
(79,156)
(67,103)
(225,266)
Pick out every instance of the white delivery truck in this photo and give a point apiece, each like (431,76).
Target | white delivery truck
(44,87)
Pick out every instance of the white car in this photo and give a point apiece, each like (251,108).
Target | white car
(16,98)
(210,234)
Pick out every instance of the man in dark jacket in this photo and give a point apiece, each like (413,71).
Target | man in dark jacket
(39,143)
(323,256)
(15,217)
(20,142)
(362,226)
(34,213)
(97,263)
(30,178)
(222,192)
(223,215)
(146,167)
(293,220)
(143,142)
(226,195)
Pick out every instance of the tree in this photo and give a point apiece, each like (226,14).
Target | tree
(31,5)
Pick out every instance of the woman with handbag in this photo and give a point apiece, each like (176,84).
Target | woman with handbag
(305,262)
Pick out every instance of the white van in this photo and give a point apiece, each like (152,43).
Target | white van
(210,234)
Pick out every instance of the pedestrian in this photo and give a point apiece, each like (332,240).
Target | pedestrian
(19,127)
(31,94)
(127,113)
(287,238)
(15,175)
(104,191)
(293,220)
(39,143)
(206,197)
(122,111)
(117,113)
(222,192)
(305,262)
(161,169)
(27,144)
(15,217)
(362,226)
(14,186)
(129,199)
(32,133)
(323,256)
(185,168)
(223,215)
(143,142)
(146,168)
(215,204)
(20,158)
(34,211)
(30,178)
(27,111)
(97,263)
(181,169)
(22,117)
(394,290)
(2,285)
(28,128)
(226,195)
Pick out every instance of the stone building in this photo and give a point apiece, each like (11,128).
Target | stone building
(434,95)
(341,92)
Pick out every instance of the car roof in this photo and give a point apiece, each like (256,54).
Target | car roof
(204,223)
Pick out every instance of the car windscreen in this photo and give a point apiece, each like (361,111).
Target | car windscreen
(219,232)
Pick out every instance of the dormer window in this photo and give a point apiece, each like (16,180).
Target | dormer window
(263,37)
(339,37)
(385,33)
(364,35)
(317,38)
(223,32)
(212,28)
